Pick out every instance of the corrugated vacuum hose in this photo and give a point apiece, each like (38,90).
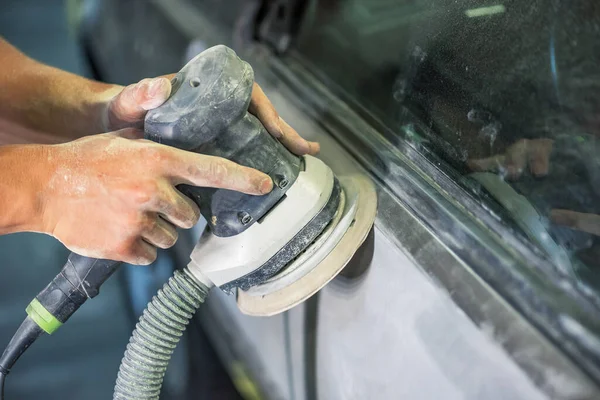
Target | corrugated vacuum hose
(155,337)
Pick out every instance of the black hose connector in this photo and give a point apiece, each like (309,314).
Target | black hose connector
(155,337)
(79,280)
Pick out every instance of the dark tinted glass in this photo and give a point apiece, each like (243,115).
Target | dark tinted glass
(508,92)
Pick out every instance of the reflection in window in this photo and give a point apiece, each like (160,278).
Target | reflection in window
(509,89)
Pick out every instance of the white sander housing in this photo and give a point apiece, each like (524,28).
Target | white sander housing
(217,261)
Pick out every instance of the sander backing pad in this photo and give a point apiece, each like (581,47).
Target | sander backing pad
(323,259)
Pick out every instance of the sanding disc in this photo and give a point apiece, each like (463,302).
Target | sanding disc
(323,259)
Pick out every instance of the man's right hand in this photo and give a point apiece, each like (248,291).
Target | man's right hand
(115,198)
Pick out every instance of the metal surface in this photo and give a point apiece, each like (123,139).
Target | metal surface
(427,327)
(497,320)
(542,294)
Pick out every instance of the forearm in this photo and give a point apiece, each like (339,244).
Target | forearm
(24,173)
(39,98)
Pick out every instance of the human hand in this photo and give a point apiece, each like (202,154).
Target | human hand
(584,222)
(533,154)
(128,108)
(131,183)
(114,195)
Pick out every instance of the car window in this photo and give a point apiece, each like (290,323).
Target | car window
(508,95)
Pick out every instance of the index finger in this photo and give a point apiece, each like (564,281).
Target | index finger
(209,171)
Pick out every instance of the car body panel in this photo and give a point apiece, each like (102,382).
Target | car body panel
(414,322)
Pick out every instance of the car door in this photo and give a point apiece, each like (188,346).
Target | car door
(466,288)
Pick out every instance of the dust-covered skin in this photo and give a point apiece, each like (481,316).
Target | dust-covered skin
(130,183)
(110,195)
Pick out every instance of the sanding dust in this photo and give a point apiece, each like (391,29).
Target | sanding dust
(69,181)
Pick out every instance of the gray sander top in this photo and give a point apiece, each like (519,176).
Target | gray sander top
(213,91)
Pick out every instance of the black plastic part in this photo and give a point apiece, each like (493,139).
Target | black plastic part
(79,280)
(24,337)
(208,113)
(293,248)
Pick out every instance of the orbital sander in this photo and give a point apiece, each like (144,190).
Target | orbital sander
(274,251)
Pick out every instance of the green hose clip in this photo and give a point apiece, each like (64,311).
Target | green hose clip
(38,313)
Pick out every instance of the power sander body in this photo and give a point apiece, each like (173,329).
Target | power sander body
(249,240)
(206,113)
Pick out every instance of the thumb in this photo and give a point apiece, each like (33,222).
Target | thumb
(129,107)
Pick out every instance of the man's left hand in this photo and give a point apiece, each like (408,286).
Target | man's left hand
(129,107)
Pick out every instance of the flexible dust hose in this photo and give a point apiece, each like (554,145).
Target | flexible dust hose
(155,337)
